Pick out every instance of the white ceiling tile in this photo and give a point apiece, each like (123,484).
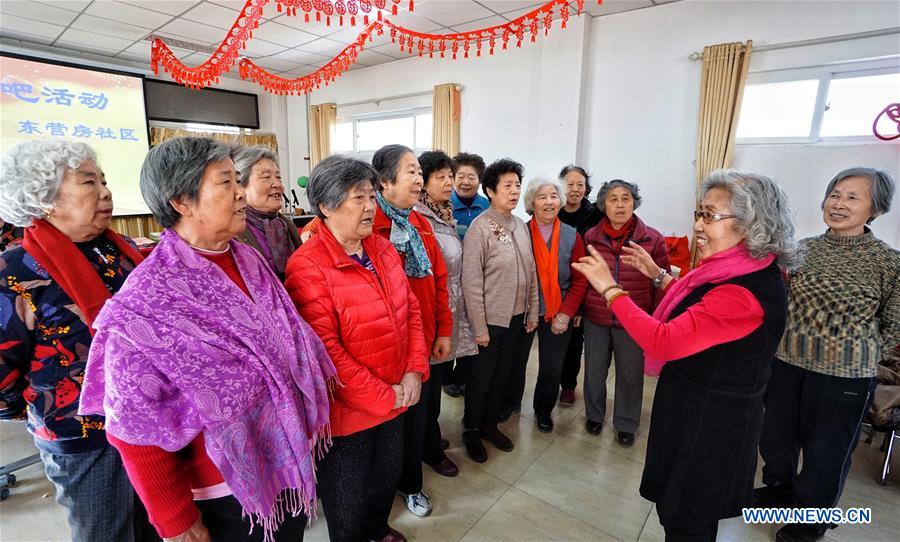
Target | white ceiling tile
(373,58)
(414,21)
(298,72)
(323,46)
(129,14)
(36,12)
(505,6)
(171,7)
(212,15)
(29,30)
(193,59)
(282,35)
(302,57)
(481,23)
(107,27)
(257,47)
(194,32)
(452,12)
(276,65)
(233,4)
(313,27)
(92,41)
(270,10)
(608,7)
(392,49)
(71,5)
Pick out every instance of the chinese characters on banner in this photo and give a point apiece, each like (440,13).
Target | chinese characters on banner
(64,97)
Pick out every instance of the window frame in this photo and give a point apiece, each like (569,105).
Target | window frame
(369,117)
(824,74)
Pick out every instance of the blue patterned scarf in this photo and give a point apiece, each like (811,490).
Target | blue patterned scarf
(406,239)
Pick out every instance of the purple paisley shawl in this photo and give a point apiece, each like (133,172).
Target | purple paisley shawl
(180,350)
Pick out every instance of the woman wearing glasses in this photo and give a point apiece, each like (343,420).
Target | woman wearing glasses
(712,340)
(603,333)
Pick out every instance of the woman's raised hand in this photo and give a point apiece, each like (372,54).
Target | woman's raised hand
(635,256)
(594,268)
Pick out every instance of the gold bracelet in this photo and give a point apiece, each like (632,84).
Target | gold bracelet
(615,296)
(608,288)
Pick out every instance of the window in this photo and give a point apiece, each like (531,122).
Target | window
(816,105)
(363,135)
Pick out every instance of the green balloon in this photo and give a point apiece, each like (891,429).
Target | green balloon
(302,181)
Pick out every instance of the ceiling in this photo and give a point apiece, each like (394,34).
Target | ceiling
(284,45)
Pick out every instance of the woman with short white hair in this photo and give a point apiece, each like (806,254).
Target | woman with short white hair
(561,290)
(51,289)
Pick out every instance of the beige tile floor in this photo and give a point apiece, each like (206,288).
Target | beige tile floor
(567,485)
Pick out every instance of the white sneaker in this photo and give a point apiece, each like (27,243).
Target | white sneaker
(418,503)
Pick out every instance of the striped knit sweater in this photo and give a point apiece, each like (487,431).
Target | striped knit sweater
(844,308)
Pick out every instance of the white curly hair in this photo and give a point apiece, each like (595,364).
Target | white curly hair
(30,176)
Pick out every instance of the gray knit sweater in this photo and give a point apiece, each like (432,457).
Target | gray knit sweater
(844,308)
(498,271)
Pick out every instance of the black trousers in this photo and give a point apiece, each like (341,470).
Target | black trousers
(687,527)
(489,375)
(572,362)
(816,414)
(515,390)
(457,376)
(422,432)
(551,359)
(358,480)
(222,518)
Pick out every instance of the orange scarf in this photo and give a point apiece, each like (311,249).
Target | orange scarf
(547,264)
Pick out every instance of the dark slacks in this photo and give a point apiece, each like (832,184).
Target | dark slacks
(687,527)
(515,390)
(489,375)
(460,370)
(816,414)
(572,362)
(551,359)
(222,518)
(358,480)
(422,432)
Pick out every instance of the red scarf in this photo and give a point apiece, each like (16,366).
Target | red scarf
(56,253)
(618,237)
(547,264)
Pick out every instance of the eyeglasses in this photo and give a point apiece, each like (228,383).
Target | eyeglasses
(709,218)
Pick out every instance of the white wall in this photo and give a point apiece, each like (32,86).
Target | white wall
(642,115)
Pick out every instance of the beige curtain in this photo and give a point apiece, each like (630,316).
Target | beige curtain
(135,226)
(721,89)
(322,119)
(446,112)
(158,135)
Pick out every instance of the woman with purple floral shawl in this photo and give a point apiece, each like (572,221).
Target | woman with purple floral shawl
(214,388)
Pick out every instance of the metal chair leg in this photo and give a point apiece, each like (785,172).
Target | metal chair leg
(889,441)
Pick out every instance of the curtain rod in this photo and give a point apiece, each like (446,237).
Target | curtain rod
(817,41)
(376,101)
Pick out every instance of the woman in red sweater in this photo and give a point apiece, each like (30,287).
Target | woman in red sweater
(351,287)
(400,184)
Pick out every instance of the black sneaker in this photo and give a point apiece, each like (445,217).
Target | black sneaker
(625,438)
(508,412)
(544,423)
(593,428)
(474,447)
(800,532)
(497,438)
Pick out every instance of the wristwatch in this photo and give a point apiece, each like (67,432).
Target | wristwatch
(657,282)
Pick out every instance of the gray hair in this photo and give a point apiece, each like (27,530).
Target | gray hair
(30,176)
(173,169)
(607,187)
(386,162)
(247,157)
(534,186)
(883,187)
(763,214)
(332,179)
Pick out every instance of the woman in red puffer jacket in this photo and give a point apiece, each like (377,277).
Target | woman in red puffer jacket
(351,287)
(603,335)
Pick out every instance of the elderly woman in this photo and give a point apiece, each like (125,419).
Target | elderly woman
(51,289)
(582,215)
(501,291)
(844,314)
(352,288)
(215,390)
(603,333)
(434,205)
(400,183)
(268,231)
(713,336)
(555,246)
